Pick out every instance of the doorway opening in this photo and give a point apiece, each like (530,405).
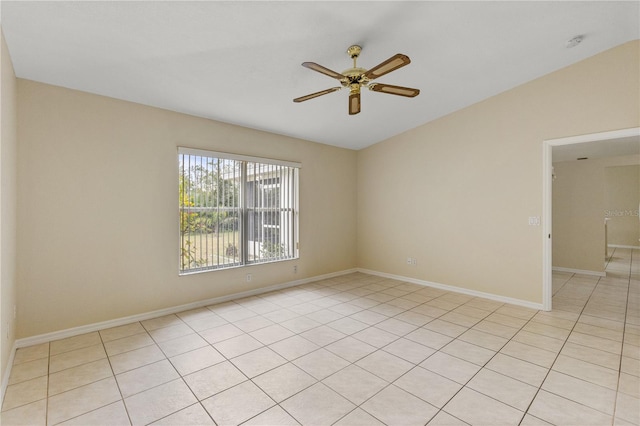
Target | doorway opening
(609,138)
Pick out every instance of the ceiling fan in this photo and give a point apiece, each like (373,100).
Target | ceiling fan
(356,78)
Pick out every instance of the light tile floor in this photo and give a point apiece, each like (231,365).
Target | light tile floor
(353,350)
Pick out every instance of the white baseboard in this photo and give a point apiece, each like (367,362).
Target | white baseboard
(88,328)
(70,332)
(580,271)
(622,246)
(490,296)
(75,331)
(61,334)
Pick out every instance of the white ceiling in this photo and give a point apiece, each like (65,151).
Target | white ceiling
(239,62)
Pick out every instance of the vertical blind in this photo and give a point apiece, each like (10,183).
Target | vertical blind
(235,210)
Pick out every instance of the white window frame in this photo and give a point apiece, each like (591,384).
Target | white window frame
(247,252)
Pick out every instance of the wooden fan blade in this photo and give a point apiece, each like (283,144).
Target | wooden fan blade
(395,90)
(323,70)
(354,103)
(393,63)
(315,95)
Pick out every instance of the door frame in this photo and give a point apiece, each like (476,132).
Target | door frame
(547,211)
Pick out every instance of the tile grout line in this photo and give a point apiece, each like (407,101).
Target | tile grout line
(368,326)
(357,406)
(483,366)
(182,377)
(146,331)
(288,362)
(624,332)
(114,379)
(440,409)
(46,405)
(349,363)
(577,322)
(558,354)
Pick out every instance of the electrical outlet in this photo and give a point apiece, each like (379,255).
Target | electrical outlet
(249,278)
(295,269)
(414,261)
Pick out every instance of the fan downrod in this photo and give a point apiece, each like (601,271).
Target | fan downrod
(354,75)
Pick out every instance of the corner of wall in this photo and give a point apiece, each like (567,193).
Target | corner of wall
(8,212)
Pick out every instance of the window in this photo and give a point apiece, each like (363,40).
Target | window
(235,210)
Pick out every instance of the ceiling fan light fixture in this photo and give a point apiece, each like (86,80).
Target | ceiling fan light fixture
(356,78)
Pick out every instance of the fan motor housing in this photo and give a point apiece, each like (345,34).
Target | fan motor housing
(354,75)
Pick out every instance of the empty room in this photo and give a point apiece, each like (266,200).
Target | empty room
(320,213)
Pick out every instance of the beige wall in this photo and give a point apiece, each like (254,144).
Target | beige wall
(456,193)
(580,199)
(8,196)
(98,236)
(578,215)
(622,196)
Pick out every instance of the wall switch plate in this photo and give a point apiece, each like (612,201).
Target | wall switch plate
(534,220)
